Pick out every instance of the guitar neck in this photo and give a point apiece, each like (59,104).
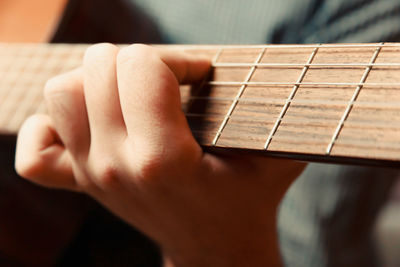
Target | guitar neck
(336,102)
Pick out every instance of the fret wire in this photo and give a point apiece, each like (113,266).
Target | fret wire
(216,57)
(226,83)
(352,100)
(290,98)
(236,100)
(361,65)
(279,101)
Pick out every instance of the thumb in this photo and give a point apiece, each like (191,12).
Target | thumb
(41,157)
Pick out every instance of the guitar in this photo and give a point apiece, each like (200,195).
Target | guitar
(328,102)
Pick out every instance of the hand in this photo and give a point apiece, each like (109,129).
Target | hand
(116,131)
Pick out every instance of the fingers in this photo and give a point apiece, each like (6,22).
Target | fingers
(101,93)
(66,105)
(41,157)
(186,68)
(148,83)
(134,91)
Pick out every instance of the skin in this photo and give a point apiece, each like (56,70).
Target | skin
(115,130)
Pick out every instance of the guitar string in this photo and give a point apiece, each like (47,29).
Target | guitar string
(312,102)
(295,120)
(293,136)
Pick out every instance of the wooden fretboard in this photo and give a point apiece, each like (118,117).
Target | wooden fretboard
(319,102)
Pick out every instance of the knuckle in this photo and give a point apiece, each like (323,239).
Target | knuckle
(150,167)
(136,53)
(105,170)
(61,85)
(52,86)
(35,119)
(155,162)
(188,153)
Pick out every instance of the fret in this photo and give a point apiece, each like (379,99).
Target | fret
(236,100)
(290,98)
(352,100)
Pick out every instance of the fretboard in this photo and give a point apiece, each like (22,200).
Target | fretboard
(320,102)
